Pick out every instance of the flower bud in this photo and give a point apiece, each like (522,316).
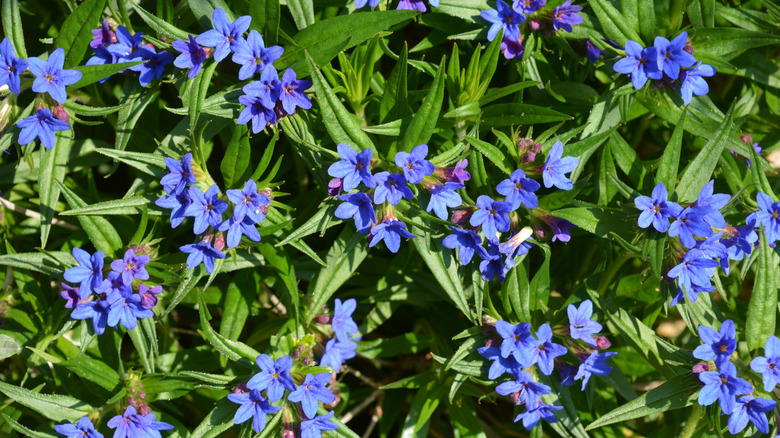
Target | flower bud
(241,388)
(219,241)
(461,217)
(335,186)
(602,342)
(515,397)
(322,319)
(144,409)
(535,24)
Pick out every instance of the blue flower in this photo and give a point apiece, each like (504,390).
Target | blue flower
(491,265)
(268,88)
(148,295)
(342,323)
(42,124)
(337,352)
(274,377)
(529,391)
(517,341)
(192,56)
(153,66)
(226,36)
(313,428)
(718,346)
(714,249)
(253,56)
(152,428)
(528,6)
(71,294)
(416,5)
(694,269)
(50,76)
(10,67)
(88,271)
(515,246)
(493,217)
(82,429)
(114,285)
(671,55)
(741,243)
(537,411)
(102,57)
(519,190)
(657,210)
(640,63)
(769,364)
(591,51)
(236,228)
(180,174)
(103,36)
(753,409)
(768,215)
(690,223)
(466,242)
(254,110)
(129,424)
(360,3)
(724,386)
(711,204)
(391,232)
(556,166)
(457,174)
(500,364)
(248,202)
(293,92)
(595,364)
(565,16)
(177,204)
(253,406)
(95,310)
(359,207)
(353,168)
(414,165)
(503,17)
(131,267)
(693,293)
(206,208)
(201,252)
(546,351)
(443,196)
(391,187)
(512,49)
(128,310)
(313,389)
(693,82)
(580,325)
(128,47)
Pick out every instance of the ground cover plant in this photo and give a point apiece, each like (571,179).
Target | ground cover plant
(389,218)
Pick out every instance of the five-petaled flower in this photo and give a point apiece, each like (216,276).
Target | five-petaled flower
(253,406)
(311,391)
(657,210)
(226,35)
(42,125)
(50,77)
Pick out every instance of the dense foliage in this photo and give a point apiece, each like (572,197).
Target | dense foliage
(409,218)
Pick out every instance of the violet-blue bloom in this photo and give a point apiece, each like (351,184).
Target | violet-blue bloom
(268,88)
(337,352)
(592,51)
(466,242)
(740,245)
(342,323)
(293,95)
(82,429)
(10,67)
(693,81)
(492,215)
(129,424)
(692,293)
(519,190)
(750,408)
(253,56)
(359,207)
(528,6)
(556,166)
(414,165)
(711,204)
(529,391)
(127,47)
(580,325)
(724,386)
(515,246)
(153,66)
(657,210)
(718,346)
(768,365)
(565,16)
(503,17)
(457,174)
(313,428)
(443,196)
(517,341)
(177,204)
(640,63)
(500,364)
(50,76)
(491,265)
(353,168)
(391,187)
(690,223)
(236,228)
(253,406)
(201,252)
(151,428)
(274,377)
(225,37)
(538,411)
(88,271)
(360,3)
(42,125)
(714,249)
(248,202)
(512,49)
(255,111)
(417,5)
(70,294)
(114,285)
(127,309)
(768,215)
(595,364)
(671,56)
(694,269)
(311,391)
(180,174)
(546,351)
(206,208)
(131,267)
(391,232)
(192,56)
(102,36)
(102,57)
(97,311)
(149,296)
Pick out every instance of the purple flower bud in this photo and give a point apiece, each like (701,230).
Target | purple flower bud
(602,342)
(535,24)
(335,186)
(241,388)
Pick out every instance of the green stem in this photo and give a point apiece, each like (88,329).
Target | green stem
(693,421)
(613,270)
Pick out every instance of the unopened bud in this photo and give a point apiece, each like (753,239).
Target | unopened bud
(322,319)
(461,217)
(335,186)
(528,157)
(241,388)
(144,409)
(515,397)
(602,342)
(219,242)
(535,24)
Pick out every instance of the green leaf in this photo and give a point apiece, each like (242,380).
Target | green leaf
(25,431)
(8,347)
(728,43)
(217,421)
(139,340)
(676,393)
(132,206)
(646,11)
(150,164)
(701,13)
(45,263)
(233,350)
(302,12)
(199,86)
(75,34)
(92,111)
(424,121)
(54,407)
(321,221)
(670,160)
(265,18)
(137,99)
(12,26)
(192,276)
(600,221)
(236,160)
(94,73)
(93,370)
(466,9)
(614,24)
(395,99)
(100,231)
(762,309)
(160,25)
(52,167)
(508,114)
(491,152)
(204,10)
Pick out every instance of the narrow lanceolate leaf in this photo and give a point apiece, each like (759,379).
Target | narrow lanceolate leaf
(670,160)
(54,407)
(236,160)
(234,350)
(321,221)
(614,24)
(12,26)
(150,164)
(25,431)
(142,348)
(762,310)
(265,19)
(217,421)
(698,173)
(676,393)
(342,125)
(93,370)
(395,102)
(94,73)
(100,231)
(76,34)
(52,264)
(302,12)
(199,86)
(492,153)
(52,167)
(424,121)
(131,206)
(508,114)
(137,99)
(161,26)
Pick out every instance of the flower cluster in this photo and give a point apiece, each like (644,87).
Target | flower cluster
(721,383)
(417,5)
(186,199)
(667,61)
(109,301)
(114,45)
(520,349)
(128,425)
(704,239)
(510,19)
(342,346)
